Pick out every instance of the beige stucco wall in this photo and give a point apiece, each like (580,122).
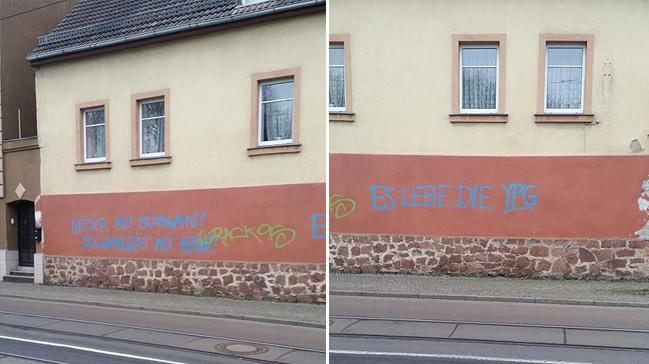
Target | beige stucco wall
(21,168)
(209,79)
(401,72)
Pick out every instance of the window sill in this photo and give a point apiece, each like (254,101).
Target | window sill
(20,144)
(150,161)
(478,118)
(275,149)
(92,166)
(564,118)
(345,116)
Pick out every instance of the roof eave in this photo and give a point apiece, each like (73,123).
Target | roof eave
(37,57)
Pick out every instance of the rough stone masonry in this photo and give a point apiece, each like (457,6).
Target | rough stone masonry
(577,258)
(259,281)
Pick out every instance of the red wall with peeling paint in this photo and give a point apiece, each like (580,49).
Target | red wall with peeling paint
(578,197)
(288,205)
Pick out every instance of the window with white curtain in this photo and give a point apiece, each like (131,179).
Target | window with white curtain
(276,112)
(336,77)
(94,135)
(152,124)
(479,78)
(564,78)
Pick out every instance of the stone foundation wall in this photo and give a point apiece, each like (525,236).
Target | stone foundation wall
(257,281)
(586,258)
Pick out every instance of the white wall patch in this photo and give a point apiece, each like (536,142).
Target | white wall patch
(643,205)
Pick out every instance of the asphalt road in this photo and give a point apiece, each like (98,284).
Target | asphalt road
(347,359)
(400,330)
(391,359)
(46,332)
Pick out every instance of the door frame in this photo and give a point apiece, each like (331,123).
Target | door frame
(19,208)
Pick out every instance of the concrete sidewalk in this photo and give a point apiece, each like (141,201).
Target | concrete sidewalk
(272,312)
(519,334)
(13,360)
(610,293)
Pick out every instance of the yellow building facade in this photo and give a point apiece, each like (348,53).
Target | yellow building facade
(163,147)
(506,138)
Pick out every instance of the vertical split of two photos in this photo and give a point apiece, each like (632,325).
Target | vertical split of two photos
(323,181)
(165,181)
(488,176)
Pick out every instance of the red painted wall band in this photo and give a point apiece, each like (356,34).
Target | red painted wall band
(282,223)
(545,197)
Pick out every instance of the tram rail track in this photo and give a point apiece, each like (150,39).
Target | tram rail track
(343,332)
(203,336)
(289,349)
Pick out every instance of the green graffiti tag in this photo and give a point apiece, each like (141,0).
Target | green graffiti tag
(279,235)
(341,206)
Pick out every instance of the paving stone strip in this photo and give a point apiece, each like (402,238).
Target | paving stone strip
(310,315)
(528,334)
(589,292)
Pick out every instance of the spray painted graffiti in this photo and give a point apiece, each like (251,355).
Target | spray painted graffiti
(138,244)
(279,235)
(179,221)
(209,224)
(132,234)
(643,205)
(174,222)
(136,234)
(341,206)
(518,196)
(118,243)
(319,226)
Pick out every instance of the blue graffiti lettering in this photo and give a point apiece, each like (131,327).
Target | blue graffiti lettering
(318,226)
(86,224)
(420,196)
(441,195)
(471,198)
(187,221)
(478,197)
(123,223)
(162,245)
(194,245)
(518,197)
(484,197)
(131,244)
(374,191)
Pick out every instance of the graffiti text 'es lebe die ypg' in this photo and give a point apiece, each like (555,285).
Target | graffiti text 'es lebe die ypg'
(514,196)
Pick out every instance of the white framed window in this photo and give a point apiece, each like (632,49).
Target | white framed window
(152,128)
(94,135)
(337,85)
(479,75)
(276,112)
(564,78)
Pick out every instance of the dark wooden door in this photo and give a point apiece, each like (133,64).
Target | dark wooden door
(26,242)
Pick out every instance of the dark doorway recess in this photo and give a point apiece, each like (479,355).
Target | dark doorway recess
(26,242)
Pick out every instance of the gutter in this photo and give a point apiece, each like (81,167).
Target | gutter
(33,57)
